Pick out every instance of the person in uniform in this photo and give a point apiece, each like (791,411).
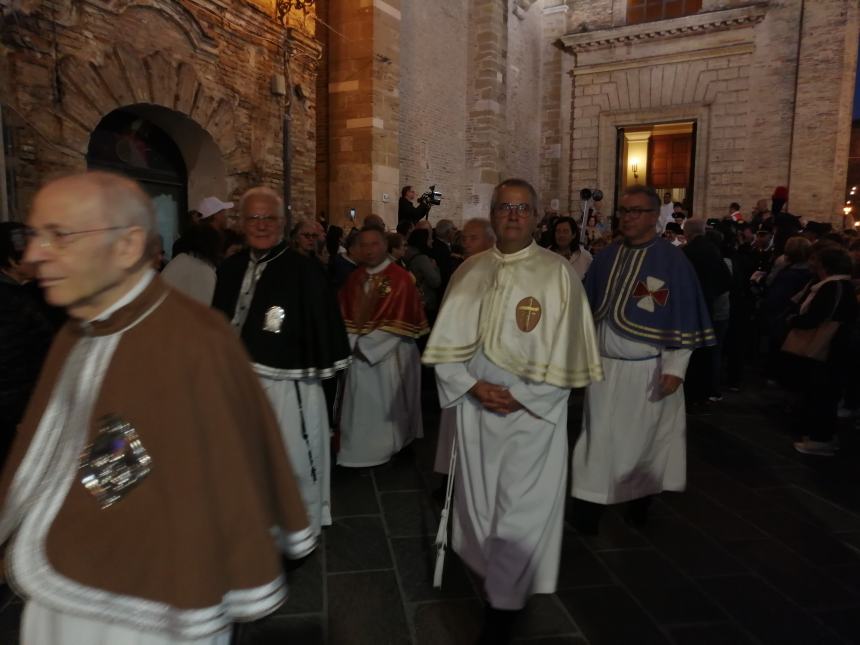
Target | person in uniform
(513,336)
(286,313)
(382,397)
(650,316)
(147,490)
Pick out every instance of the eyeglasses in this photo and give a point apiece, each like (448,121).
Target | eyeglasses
(520,210)
(266,220)
(57,238)
(633,212)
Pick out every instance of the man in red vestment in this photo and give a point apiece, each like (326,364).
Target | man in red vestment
(383,314)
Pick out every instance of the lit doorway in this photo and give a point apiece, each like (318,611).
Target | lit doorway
(130,145)
(661,156)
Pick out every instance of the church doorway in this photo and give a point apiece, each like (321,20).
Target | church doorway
(659,155)
(173,158)
(131,145)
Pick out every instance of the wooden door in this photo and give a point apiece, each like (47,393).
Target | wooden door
(669,161)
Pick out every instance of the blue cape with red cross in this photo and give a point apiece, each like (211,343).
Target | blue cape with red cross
(649,293)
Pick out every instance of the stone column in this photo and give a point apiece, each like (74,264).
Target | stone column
(823,107)
(485,103)
(363,109)
(303,56)
(553,93)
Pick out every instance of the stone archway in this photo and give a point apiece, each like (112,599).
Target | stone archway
(124,78)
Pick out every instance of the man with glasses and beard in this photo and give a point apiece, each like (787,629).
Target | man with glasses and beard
(513,336)
(650,316)
(282,306)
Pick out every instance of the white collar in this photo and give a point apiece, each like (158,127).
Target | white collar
(130,295)
(379,268)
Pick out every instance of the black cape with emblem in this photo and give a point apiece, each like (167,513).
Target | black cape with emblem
(292,327)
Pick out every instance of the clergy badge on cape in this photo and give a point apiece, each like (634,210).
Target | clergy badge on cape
(528,314)
(650,293)
(115,462)
(274,320)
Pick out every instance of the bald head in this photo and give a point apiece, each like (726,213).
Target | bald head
(113,199)
(91,240)
(478,236)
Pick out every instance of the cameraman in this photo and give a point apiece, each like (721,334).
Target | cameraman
(406,211)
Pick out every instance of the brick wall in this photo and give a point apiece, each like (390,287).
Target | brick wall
(212,67)
(434,37)
(736,76)
(523,99)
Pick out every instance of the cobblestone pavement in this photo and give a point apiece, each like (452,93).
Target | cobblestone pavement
(763,548)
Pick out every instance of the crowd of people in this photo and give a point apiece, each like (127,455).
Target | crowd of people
(182,433)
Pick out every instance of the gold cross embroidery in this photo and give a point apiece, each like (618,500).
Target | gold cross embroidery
(530,307)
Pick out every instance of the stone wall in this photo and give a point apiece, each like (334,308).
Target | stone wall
(822,119)
(732,68)
(523,98)
(214,68)
(434,37)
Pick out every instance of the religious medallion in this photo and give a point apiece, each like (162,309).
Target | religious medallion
(114,462)
(650,293)
(528,314)
(383,286)
(274,320)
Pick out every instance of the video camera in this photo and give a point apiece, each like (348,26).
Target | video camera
(432,197)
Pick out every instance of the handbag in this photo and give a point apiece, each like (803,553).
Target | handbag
(813,343)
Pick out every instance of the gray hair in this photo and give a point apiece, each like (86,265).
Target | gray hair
(515,183)
(262,193)
(486,227)
(443,227)
(694,227)
(649,192)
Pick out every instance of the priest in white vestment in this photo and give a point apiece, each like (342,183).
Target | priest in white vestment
(383,314)
(513,336)
(650,316)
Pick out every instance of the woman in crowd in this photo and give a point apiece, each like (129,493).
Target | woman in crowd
(830,303)
(193,271)
(795,274)
(565,242)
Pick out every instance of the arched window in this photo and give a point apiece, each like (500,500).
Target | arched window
(648,10)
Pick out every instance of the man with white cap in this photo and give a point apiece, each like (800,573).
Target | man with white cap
(214,212)
(211,212)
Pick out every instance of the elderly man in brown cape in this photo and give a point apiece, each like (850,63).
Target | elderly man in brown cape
(148,486)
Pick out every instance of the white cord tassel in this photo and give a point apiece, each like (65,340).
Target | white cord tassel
(442,533)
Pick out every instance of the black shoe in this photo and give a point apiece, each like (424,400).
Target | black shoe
(637,511)
(498,626)
(586,516)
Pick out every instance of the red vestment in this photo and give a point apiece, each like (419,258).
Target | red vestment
(391,303)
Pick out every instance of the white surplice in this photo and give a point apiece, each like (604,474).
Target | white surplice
(382,399)
(633,443)
(302,413)
(510,481)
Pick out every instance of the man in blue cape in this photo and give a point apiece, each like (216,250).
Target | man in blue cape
(650,316)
